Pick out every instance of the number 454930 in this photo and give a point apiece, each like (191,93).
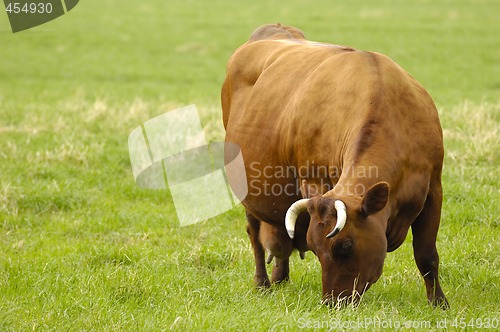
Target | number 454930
(29,8)
(485,323)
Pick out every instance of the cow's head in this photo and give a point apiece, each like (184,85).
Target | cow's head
(348,236)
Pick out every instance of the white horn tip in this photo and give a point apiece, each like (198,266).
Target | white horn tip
(333,233)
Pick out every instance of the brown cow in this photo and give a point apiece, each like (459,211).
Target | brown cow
(349,137)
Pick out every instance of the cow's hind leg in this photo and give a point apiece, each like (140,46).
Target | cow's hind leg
(253,229)
(424,230)
(279,246)
(281,270)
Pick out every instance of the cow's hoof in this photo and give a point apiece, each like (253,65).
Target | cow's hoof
(441,303)
(261,282)
(280,279)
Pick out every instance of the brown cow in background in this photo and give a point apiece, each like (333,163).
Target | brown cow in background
(343,153)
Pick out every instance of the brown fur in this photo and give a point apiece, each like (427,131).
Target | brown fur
(289,102)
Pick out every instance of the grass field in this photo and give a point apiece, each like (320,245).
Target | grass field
(83,248)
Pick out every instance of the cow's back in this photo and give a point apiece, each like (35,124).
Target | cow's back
(301,104)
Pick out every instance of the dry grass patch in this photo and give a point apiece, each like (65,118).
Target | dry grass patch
(471,133)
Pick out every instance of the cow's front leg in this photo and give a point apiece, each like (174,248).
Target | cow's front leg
(260,279)
(424,230)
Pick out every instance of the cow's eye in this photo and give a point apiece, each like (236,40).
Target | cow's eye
(343,248)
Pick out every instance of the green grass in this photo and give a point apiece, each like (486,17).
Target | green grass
(83,248)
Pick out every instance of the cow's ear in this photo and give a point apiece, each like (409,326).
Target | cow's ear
(307,190)
(375,198)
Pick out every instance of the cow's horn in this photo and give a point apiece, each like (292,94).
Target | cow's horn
(292,214)
(341,218)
